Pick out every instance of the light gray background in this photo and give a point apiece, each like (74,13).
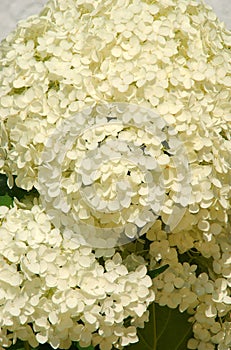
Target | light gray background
(13,10)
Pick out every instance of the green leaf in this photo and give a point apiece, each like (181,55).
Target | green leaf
(167,329)
(19,345)
(6,201)
(3,184)
(156,272)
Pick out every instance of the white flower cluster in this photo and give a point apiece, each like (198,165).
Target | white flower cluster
(109,182)
(205,295)
(54,291)
(171,56)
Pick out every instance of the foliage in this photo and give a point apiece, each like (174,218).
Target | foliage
(167,329)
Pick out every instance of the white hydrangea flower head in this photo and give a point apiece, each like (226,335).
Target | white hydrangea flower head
(55,291)
(206,295)
(171,57)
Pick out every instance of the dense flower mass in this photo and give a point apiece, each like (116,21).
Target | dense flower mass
(53,290)
(202,288)
(110,181)
(171,57)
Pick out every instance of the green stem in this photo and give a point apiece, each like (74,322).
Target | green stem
(26,345)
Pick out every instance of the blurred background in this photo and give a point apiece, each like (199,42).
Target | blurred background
(14,10)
